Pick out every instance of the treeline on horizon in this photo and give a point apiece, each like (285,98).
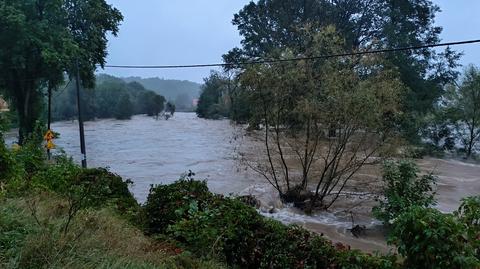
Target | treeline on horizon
(181,93)
(111,98)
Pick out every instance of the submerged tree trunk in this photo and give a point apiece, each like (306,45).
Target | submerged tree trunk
(472,138)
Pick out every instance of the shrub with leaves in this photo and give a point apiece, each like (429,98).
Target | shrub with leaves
(469,214)
(428,238)
(228,229)
(167,204)
(404,188)
(86,188)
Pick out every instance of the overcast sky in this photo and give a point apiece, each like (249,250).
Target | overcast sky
(165,32)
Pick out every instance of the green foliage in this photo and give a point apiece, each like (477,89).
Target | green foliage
(301,103)
(224,226)
(438,133)
(469,214)
(167,204)
(227,229)
(363,25)
(170,108)
(179,93)
(86,188)
(98,239)
(6,162)
(213,102)
(43,40)
(462,106)
(428,238)
(124,108)
(111,98)
(404,188)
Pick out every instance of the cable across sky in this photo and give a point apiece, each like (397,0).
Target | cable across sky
(273,61)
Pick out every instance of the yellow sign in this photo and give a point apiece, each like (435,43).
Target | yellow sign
(50,145)
(49,136)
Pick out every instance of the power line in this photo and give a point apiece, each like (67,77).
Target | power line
(295,59)
(63,90)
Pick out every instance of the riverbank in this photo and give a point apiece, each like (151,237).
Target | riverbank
(58,215)
(97,239)
(187,221)
(153,152)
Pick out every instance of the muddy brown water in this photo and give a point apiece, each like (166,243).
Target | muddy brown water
(153,152)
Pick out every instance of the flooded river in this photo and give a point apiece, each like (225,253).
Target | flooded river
(152,152)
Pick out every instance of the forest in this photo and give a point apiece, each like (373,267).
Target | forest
(436,106)
(111,98)
(180,93)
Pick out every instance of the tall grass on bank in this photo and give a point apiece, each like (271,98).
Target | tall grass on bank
(97,239)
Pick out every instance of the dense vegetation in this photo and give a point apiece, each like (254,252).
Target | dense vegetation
(334,115)
(44,40)
(58,215)
(111,98)
(433,114)
(180,93)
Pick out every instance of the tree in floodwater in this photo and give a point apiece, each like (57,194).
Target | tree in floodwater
(157,105)
(330,117)
(124,108)
(170,108)
(462,104)
(269,26)
(212,103)
(44,39)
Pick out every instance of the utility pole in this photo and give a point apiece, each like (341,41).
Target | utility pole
(80,118)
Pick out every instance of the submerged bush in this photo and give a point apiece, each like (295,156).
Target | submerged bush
(428,238)
(403,189)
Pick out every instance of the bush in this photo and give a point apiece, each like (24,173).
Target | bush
(99,239)
(429,239)
(403,189)
(86,188)
(469,215)
(168,204)
(227,229)
(225,226)
(56,177)
(100,187)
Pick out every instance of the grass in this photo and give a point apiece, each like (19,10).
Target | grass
(31,236)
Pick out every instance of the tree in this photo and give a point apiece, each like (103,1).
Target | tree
(111,98)
(268,27)
(170,108)
(124,108)
(157,105)
(43,39)
(462,104)
(212,102)
(332,115)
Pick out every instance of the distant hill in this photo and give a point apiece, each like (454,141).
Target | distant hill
(182,92)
